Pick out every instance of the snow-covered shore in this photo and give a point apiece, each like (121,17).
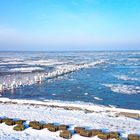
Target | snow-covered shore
(72,114)
(76,105)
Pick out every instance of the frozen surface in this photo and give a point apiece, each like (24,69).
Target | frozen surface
(125,89)
(100,117)
(92,77)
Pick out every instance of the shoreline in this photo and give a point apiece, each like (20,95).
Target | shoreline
(89,116)
(86,107)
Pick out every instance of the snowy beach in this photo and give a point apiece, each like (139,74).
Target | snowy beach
(88,116)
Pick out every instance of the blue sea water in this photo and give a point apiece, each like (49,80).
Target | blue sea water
(111,78)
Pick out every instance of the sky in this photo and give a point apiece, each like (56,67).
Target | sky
(42,25)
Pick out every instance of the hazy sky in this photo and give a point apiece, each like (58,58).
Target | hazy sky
(69,24)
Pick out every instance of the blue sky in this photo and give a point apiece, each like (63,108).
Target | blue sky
(69,24)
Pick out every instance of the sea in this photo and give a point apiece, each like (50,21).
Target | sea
(109,78)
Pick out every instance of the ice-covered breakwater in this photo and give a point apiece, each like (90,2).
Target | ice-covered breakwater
(11,82)
(15,81)
(65,69)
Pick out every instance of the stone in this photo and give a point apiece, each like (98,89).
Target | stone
(0,120)
(114,135)
(133,137)
(65,134)
(19,128)
(9,122)
(103,136)
(78,129)
(20,121)
(31,123)
(37,126)
(95,132)
(53,128)
(47,125)
(116,138)
(63,127)
(5,119)
(86,133)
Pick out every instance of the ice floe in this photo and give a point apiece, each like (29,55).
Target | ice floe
(97,98)
(125,89)
(126,78)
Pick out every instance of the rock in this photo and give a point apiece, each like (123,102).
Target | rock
(78,129)
(53,128)
(6,119)
(63,127)
(37,126)
(20,121)
(19,128)
(95,132)
(0,120)
(9,122)
(133,137)
(65,134)
(32,123)
(120,139)
(103,136)
(86,133)
(47,125)
(113,135)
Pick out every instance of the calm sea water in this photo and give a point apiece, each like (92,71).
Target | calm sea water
(106,78)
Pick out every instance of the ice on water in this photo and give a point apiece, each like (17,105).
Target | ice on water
(89,76)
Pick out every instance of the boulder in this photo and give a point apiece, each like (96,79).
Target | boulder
(133,137)
(53,128)
(63,127)
(86,133)
(5,119)
(65,134)
(0,120)
(19,128)
(103,136)
(20,121)
(78,129)
(47,125)
(32,123)
(113,135)
(9,122)
(37,126)
(95,132)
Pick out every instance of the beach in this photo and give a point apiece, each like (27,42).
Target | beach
(89,116)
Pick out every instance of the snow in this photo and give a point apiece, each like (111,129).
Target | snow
(78,104)
(100,117)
